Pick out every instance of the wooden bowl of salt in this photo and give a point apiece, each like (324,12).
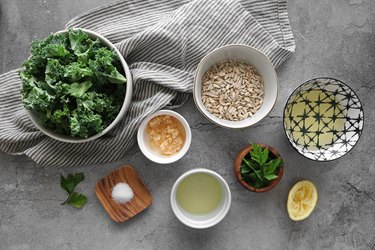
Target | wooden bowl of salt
(120,212)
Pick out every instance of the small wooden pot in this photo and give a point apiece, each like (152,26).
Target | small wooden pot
(237,165)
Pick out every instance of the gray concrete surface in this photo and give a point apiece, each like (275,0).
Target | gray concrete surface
(334,38)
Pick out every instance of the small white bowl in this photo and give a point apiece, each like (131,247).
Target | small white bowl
(207,220)
(152,154)
(247,54)
(125,106)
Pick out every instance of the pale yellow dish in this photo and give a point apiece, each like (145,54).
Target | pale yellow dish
(199,193)
(318,118)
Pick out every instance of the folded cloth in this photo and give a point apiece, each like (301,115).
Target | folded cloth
(162,41)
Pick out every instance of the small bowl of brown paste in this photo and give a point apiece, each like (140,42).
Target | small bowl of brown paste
(164,137)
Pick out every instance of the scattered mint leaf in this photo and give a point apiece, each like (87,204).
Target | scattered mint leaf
(71,181)
(77,200)
(77,178)
(69,184)
(66,184)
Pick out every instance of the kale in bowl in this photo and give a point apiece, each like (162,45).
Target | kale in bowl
(75,84)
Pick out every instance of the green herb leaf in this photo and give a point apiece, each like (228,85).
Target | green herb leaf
(261,168)
(68,184)
(77,200)
(253,177)
(270,176)
(78,178)
(244,169)
(271,166)
(71,181)
(259,155)
(248,163)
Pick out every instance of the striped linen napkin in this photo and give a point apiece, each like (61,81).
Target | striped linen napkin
(162,41)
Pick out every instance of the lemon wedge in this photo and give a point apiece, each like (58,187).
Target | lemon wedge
(302,200)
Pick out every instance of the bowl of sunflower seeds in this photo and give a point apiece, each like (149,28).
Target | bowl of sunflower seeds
(235,86)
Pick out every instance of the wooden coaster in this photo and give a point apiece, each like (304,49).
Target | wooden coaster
(122,212)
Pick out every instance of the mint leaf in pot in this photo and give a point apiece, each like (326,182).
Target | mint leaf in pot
(259,155)
(271,166)
(245,169)
(270,177)
(259,167)
(73,83)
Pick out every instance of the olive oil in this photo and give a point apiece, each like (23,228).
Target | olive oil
(315,119)
(199,193)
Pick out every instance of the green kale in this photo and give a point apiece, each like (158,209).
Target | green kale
(74,83)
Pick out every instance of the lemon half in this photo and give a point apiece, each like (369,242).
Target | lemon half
(302,200)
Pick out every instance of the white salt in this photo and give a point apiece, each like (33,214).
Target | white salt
(122,193)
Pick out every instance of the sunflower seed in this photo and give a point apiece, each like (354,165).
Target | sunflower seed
(232,90)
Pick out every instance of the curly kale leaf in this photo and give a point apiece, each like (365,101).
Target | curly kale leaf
(77,71)
(38,98)
(106,71)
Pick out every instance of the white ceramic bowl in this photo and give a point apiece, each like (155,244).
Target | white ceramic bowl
(125,106)
(207,220)
(151,154)
(247,54)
